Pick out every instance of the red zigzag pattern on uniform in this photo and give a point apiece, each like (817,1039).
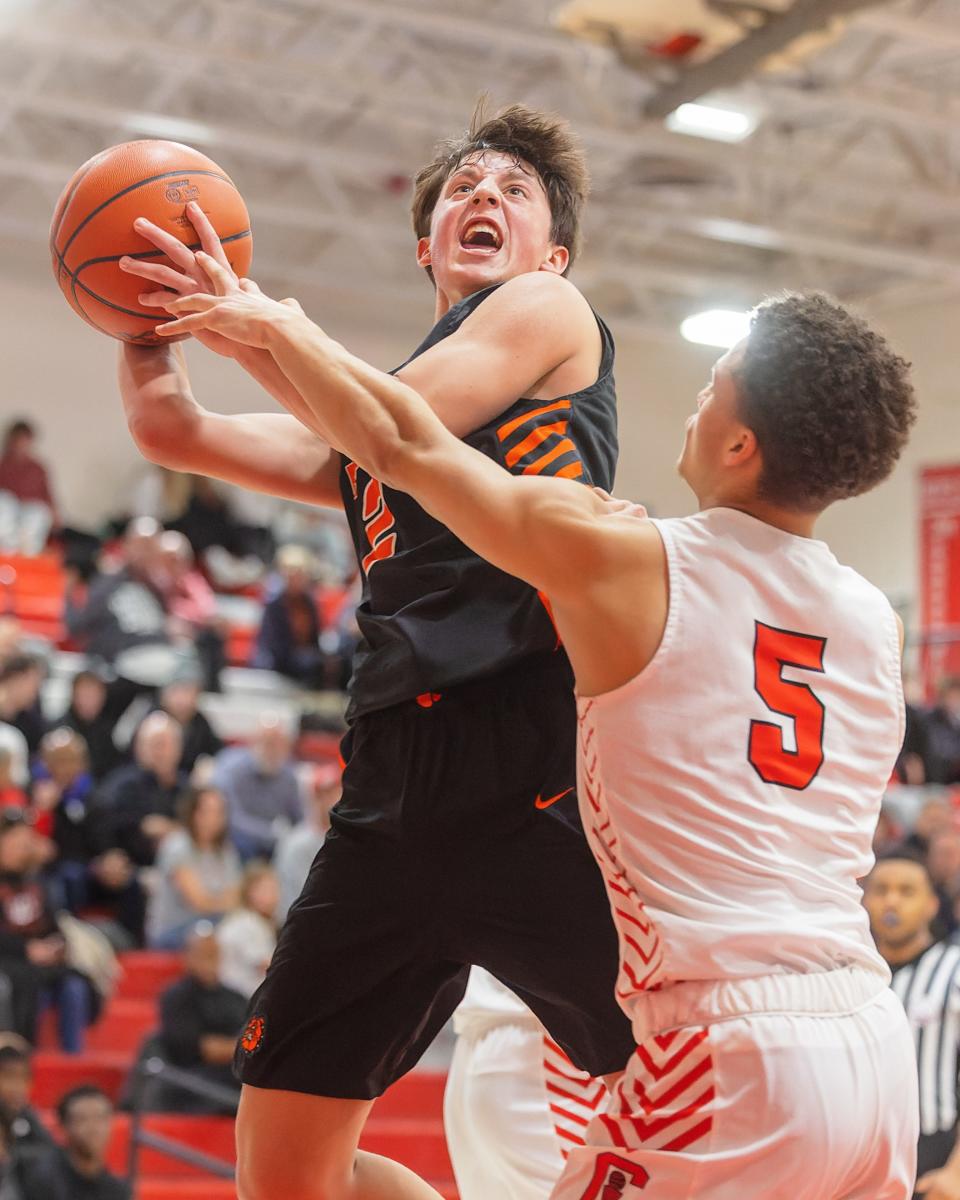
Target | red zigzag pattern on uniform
(641,952)
(574,1096)
(663,1100)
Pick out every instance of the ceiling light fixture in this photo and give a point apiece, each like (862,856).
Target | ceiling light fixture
(721,327)
(719,122)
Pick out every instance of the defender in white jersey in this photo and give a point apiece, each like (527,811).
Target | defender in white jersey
(741,712)
(514,1105)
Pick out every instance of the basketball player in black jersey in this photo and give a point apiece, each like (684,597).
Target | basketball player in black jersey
(456,840)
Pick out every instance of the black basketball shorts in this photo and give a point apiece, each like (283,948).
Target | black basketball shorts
(456,842)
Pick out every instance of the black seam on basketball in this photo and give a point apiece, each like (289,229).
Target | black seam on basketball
(137,339)
(55,229)
(75,280)
(139,184)
(91,262)
(86,316)
(109,303)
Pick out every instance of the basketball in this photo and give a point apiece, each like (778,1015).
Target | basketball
(92,228)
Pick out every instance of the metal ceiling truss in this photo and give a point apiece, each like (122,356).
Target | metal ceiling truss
(320,109)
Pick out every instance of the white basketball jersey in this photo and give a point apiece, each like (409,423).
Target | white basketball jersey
(731,790)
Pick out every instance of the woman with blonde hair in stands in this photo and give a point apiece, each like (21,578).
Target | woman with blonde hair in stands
(199,871)
(248,935)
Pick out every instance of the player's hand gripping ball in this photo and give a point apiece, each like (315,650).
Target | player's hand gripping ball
(92,228)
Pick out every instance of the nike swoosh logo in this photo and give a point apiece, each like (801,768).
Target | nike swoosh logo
(553,799)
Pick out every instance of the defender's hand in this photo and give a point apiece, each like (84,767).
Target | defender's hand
(189,277)
(239,311)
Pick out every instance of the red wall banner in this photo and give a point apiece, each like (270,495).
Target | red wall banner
(939,574)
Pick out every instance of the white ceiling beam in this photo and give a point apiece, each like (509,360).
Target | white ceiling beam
(943,35)
(791,240)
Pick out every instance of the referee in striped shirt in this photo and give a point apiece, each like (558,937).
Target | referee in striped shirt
(900,899)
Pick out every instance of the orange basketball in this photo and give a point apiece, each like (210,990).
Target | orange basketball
(92,228)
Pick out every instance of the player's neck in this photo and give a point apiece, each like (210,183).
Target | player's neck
(445,300)
(800,524)
(896,956)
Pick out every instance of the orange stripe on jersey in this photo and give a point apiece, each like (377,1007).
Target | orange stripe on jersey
(505,430)
(385,548)
(533,440)
(564,446)
(545,601)
(573,471)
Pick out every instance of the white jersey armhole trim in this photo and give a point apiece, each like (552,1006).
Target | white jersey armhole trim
(894,635)
(670,629)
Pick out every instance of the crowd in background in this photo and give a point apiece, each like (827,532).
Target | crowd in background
(128,818)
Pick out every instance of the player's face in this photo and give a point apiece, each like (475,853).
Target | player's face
(709,430)
(899,901)
(491,222)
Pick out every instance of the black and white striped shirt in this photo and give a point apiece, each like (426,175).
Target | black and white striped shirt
(929,987)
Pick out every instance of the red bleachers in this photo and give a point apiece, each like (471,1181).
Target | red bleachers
(406,1123)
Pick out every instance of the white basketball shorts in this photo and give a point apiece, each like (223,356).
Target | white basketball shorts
(783,1088)
(514,1106)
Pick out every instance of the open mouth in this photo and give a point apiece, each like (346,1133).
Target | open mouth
(481,235)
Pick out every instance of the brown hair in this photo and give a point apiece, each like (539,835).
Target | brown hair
(60,739)
(541,139)
(187,804)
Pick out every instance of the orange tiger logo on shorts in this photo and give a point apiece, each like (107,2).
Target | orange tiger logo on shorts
(252,1035)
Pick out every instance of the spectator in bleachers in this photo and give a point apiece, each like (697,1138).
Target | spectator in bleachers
(288,640)
(27,508)
(179,699)
(911,766)
(198,871)
(62,783)
(122,611)
(21,678)
(248,935)
(935,815)
(86,870)
(191,606)
(11,795)
(16,1082)
(943,864)
(261,789)
(322,531)
(142,796)
(298,847)
(200,1021)
(14,745)
(89,714)
(233,553)
(889,831)
(32,949)
(80,1172)
(13,1185)
(943,734)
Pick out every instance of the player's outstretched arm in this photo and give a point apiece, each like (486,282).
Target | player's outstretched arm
(535,336)
(543,530)
(266,452)
(603,569)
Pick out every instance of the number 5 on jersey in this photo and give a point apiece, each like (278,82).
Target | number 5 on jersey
(773,650)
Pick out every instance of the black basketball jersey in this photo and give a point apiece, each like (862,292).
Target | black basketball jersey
(433,614)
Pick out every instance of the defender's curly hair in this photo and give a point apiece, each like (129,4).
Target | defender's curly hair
(541,139)
(830,403)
